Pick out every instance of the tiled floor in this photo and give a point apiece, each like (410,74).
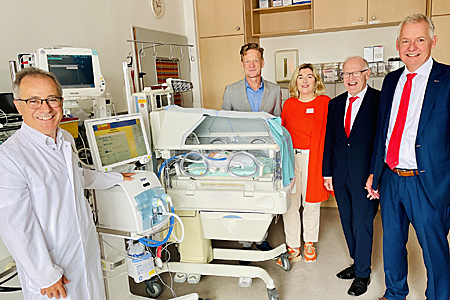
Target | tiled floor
(308,280)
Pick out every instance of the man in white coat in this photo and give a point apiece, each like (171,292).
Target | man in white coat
(45,221)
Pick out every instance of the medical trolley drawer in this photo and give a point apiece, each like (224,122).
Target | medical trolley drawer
(235,226)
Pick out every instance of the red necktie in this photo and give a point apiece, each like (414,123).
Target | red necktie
(348,115)
(396,136)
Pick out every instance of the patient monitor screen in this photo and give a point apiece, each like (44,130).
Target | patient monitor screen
(72,71)
(119,141)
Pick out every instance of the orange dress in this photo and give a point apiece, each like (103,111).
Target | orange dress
(308,130)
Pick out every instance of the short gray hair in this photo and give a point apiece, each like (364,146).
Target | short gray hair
(365,63)
(414,19)
(31,71)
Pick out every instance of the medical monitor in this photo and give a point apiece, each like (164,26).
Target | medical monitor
(7,103)
(117,141)
(77,69)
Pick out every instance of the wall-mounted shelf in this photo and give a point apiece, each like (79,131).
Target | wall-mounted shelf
(277,21)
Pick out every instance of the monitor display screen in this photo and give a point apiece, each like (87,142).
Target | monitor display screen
(7,104)
(72,71)
(119,141)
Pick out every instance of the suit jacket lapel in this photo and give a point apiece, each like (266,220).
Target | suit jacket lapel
(430,96)
(266,91)
(340,114)
(363,109)
(243,95)
(387,93)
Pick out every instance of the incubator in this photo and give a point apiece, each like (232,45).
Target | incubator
(224,172)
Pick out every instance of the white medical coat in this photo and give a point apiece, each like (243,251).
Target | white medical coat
(45,220)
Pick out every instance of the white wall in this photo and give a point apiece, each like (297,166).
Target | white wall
(190,26)
(104,25)
(329,47)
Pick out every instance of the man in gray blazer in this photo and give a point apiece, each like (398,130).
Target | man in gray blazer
(252,93)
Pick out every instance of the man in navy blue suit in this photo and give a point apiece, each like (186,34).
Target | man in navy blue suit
(351,129)
(411,161)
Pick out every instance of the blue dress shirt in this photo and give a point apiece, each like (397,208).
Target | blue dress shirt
(254,97)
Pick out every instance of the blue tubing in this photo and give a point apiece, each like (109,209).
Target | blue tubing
(165,162)
(155,244)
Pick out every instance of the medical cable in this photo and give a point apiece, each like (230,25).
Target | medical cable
(205,161)
(168,271)
(120,252)
(91,167)
(255,161)
(3,115)
(181,224)
(85,148)
(166,162)
(8,288)
(153,243)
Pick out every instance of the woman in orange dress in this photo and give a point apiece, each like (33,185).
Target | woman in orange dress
(305,116)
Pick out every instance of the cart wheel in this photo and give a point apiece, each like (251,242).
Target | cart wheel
(285,262)
(154,289)
(273,294)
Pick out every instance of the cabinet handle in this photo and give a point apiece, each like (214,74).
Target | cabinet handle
(360,19)
(238,28)
(373,18)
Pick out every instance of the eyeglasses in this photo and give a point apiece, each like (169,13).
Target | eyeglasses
(355,73)
(35,103)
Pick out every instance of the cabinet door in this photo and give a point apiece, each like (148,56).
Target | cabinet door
(218,17)
(220,64)
(440,7)
(392,11)
(440,53)
(336,14)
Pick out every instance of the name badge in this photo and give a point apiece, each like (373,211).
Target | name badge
(310,110)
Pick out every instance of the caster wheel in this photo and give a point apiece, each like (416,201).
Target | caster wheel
(153,289)
(285,262)
(273,294)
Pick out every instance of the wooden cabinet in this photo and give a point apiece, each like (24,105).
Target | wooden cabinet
(440,11)
(221,30)
(338,14)
(331,14)
(393,11)
(282,20)
(440,7)
(220,65)
(440,53)
(218,18)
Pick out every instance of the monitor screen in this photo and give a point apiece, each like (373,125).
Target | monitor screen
(77,69)
(72,71)
(7,104)
(116,141)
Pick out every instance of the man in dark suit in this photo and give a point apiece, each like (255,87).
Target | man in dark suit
(252,93)
(411,161)
(351,129)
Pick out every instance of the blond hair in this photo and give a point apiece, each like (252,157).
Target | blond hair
(319,87)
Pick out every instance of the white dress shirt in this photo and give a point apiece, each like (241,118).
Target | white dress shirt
(355,106)
(45,220)
(407,154)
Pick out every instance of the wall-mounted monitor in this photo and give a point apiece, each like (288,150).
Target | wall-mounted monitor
(77,69)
